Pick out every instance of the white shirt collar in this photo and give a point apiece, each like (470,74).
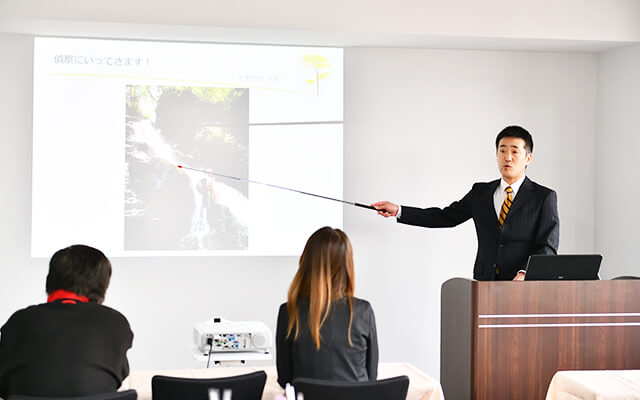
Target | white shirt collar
(515,185)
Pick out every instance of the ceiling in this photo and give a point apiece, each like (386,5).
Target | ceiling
(589,26)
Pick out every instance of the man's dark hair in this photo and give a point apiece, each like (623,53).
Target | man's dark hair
(515,131)
(80,269)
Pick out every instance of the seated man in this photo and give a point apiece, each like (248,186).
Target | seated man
(71,345)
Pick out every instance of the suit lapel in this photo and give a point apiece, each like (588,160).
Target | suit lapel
(488,205)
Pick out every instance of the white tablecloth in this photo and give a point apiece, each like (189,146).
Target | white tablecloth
(421,386)
(595,385)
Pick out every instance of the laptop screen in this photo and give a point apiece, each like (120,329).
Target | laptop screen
(568,267)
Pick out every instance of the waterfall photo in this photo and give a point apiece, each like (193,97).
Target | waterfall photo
(171,209)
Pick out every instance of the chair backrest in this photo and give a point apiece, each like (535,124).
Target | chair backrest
(386,389)
(626,277)
(130,394)
(243,387)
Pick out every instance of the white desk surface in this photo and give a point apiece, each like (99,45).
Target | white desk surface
(595,385)
(421,386)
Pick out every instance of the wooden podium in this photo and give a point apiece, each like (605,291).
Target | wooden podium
(505,340)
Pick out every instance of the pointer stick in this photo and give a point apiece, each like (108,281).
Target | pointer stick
(279,187)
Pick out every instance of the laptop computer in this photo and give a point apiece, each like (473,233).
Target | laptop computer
(568,267)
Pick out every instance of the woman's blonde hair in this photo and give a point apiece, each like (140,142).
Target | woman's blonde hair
(325,274)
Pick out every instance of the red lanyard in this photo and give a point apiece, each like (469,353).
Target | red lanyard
(66,297)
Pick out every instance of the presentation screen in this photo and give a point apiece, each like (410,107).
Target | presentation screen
(113,120)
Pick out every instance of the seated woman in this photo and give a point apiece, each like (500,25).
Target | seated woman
(71,345)
(323,331)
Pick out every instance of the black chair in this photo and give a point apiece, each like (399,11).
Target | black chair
(243,387)
(625,277)
(386,389)
(124,395)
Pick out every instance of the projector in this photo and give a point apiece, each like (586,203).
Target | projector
(231,336)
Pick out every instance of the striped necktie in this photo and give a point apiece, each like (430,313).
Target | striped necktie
(506,206)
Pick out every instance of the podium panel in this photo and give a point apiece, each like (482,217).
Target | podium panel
(505,340)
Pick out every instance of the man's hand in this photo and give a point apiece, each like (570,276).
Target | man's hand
(519,277)
(386,208)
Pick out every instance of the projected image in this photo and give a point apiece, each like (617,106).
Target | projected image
(112,120)
(165,207)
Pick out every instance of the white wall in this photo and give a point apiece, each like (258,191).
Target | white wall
(617,171)
(17,272)
(419,129)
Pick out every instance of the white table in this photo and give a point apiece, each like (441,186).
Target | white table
(421,386)
(595,385)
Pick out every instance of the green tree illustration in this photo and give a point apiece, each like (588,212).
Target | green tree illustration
(317,63)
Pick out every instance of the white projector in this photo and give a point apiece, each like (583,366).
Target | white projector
(221,335)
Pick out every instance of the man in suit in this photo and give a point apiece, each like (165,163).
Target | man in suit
(514,216)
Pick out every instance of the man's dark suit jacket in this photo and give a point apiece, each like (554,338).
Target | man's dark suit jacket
(531,227)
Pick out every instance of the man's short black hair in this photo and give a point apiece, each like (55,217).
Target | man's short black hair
(80,269)
(515,131)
